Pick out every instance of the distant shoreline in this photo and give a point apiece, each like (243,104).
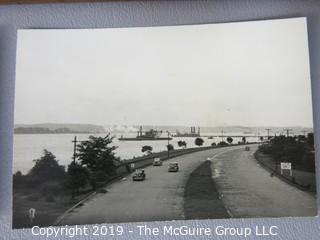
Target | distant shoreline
(59,133)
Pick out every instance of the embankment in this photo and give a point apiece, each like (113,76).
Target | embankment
(303,180)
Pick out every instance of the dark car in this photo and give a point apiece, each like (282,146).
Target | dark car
(139,175)
(173,167)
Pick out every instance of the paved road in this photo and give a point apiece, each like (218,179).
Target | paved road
(248,190)
(159,197)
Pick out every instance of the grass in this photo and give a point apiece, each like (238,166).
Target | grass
(48,207)
(300,178)
(202,199)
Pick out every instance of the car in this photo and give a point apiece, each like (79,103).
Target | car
(139,175)
(173,167)
(157,162)
(247,148)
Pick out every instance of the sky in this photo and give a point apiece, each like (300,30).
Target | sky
(249,74)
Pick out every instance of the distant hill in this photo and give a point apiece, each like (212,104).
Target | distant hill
(57,128)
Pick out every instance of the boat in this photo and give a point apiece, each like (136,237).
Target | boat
(192,133)
(151,135)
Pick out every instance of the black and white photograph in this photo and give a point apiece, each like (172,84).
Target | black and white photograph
(204,121)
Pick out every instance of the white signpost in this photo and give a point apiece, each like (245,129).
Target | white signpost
(32,215)
(286,166)
(132,165)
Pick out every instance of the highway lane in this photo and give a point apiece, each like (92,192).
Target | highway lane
(159,197)
(248,190)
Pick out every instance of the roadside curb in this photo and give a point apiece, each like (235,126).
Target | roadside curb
(62,216)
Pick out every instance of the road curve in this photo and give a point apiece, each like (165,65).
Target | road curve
(248,190)
(158,198)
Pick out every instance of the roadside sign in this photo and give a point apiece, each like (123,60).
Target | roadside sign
(286,166)
(132,165)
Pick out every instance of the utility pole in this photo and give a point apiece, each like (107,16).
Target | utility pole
(168,144)
(74,149)
(222,135)
(304,132)
(288,131)
(268,130)
(74,164)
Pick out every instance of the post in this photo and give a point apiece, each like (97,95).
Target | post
(168,144)
(74,149)
(288,131)
(32,215)
(268,129)
(74,163)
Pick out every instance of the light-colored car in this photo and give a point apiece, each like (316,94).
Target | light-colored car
(173,167)
(139,175)
(157,162)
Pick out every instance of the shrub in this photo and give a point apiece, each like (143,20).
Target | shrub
(229,140)
(147,149)
(170,147)
(222,143)
(198,141)
(182,144)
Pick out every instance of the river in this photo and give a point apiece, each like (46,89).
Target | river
(28,147)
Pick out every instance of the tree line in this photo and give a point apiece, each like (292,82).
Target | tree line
(198,142)
(299,150)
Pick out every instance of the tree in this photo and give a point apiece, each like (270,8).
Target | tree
(18,179)
(47,168)
(147,149)
(97,155)
(199,141)
(78,176)
(229,140)
(170,147)
(182,144)
(310,139)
